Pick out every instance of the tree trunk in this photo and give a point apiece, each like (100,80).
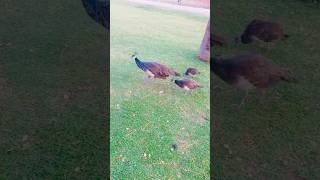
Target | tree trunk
(204,54)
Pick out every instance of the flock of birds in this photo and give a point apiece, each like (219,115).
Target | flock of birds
(161,71)
(251,70)
(245,71)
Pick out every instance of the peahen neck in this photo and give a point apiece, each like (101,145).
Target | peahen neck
(139,63)
(137,60)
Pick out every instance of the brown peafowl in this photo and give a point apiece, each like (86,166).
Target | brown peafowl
(192,71)
(187,84)
(154,69)
(262,31)
(250,71)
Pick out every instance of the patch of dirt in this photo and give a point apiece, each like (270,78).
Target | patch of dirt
(166,5)
(192,3)
(249,142)
(198,117)
(184,145)
(184,141)
(69,96)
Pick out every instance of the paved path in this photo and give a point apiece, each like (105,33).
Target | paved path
(194,10)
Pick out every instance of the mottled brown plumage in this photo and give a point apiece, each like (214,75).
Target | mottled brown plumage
(187,84)
(250,71)
(192,71)
(262,30)
(217,40)
(154,69)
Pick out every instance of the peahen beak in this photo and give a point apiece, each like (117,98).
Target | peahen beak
(133,54)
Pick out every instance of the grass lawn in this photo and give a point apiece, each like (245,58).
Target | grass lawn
(52,91)
(144,122)
(193,3)
(279,138)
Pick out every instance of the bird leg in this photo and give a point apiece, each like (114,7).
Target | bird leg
(147,80)
(186,92)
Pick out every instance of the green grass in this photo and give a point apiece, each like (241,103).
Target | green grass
(53,92)
(279,138)
(144,121)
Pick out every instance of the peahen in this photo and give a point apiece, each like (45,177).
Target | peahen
(154,69)
(250,71)
(265,31)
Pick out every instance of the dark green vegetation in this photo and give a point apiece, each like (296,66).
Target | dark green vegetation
(148,117)
(52,91)
(279,137)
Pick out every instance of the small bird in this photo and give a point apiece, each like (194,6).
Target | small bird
(250,71)
(154,69)
(187,84)
(217,40)
(264,31)
(192,71)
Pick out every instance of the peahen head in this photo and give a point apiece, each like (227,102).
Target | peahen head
(172,80)
(177,82)
(134,56)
